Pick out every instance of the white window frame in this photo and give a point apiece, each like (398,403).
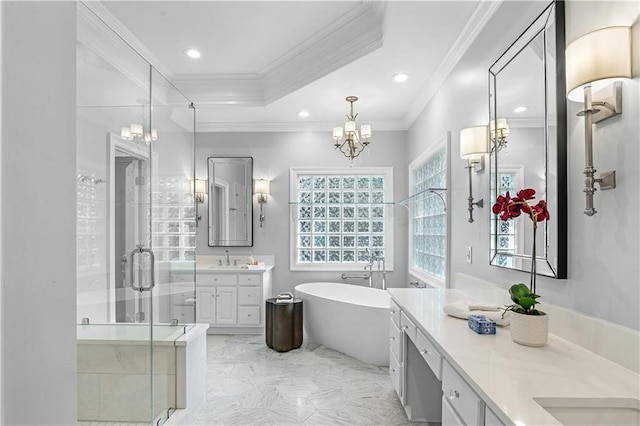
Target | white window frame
(421,274)
(387,172)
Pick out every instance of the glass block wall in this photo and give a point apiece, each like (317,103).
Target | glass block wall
(173,219)
(429,216)
(505,234)
(339,218)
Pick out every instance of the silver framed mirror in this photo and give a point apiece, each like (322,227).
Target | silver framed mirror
(528,144)
(230,201)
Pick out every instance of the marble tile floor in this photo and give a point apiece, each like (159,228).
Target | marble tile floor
(250,384)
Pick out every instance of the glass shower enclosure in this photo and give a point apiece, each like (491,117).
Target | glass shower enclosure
(136,224)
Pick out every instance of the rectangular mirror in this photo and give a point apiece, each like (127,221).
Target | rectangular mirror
(230,207)
(528,144)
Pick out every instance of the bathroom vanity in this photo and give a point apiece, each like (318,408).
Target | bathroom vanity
(443,371)
(231,300)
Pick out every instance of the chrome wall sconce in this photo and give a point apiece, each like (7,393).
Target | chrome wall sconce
(473,146)
(262,188)
(592,62)
(499,132)
(199,189)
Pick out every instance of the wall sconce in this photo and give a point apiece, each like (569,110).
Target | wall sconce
(262,188)
(473,146)
(499,132)
(592,62)
(199,188)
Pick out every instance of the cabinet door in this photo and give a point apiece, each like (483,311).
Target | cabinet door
(226,306)
(206,305)
(449,415)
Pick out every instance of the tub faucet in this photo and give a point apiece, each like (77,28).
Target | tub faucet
(226,255)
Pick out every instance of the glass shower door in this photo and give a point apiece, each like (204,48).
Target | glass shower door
(135,229)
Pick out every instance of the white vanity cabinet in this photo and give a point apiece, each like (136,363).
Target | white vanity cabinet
(232,302)
(415,368)
(459,401)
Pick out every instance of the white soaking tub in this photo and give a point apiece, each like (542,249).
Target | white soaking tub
(351,319)
(113,370)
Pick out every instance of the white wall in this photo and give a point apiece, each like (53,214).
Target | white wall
(38,213)
(273,155)
(604,249)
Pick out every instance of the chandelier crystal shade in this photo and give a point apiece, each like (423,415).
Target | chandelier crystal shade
(349,140)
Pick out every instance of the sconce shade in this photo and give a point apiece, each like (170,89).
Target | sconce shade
(365,131)
(337,133)
(473,142)
(350,126)
(136,129)
(503,127)
(201,186)
(599,55)
(262,186)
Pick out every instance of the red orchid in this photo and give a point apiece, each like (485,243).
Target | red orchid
(509,208)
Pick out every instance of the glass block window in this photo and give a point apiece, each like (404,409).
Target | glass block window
(504,234)
(339,216)
(429,218)
(173,219)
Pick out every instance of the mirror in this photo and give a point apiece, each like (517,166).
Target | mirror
(528,144)
(230,207)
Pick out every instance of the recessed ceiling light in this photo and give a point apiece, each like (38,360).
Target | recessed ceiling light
(303,113)
(192,53)
(520,109)
(399,78)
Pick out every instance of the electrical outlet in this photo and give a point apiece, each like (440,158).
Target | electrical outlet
(468,254)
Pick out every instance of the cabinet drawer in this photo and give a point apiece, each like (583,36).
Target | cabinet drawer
(395,339)
(249,295)
(430,354)
(462,398)
(249,315)
(394,311)
(395,371)
(249,279)
(217,279)
(407,326)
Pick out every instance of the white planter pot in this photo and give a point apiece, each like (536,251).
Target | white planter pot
(529,330)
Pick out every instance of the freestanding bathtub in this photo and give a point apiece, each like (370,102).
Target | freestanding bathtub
(348,318)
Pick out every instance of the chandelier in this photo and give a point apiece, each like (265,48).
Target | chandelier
(136,133)
(499,132)
(355,141)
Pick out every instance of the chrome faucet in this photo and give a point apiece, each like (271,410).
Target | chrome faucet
(226,254)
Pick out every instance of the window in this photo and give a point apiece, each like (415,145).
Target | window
(506,234)
(340,215)
(428,236)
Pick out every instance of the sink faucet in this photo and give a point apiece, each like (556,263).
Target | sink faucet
(226,254)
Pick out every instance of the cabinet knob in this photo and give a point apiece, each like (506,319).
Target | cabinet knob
(453,394)
(405,327)
(424,351)
(248,315)
(393,312)
(392,338)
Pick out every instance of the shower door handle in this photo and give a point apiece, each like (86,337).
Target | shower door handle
(138,250)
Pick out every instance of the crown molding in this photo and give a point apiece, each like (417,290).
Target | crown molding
(219,90)
(115,28)
(480,17)
(355,34)
(325,127)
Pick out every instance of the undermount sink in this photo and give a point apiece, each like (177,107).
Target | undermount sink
(593,411)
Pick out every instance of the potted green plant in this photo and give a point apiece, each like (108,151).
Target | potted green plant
(529,326)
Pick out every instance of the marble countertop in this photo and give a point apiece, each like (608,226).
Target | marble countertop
(508,376)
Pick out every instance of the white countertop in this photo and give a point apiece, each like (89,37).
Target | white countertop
(506,375)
